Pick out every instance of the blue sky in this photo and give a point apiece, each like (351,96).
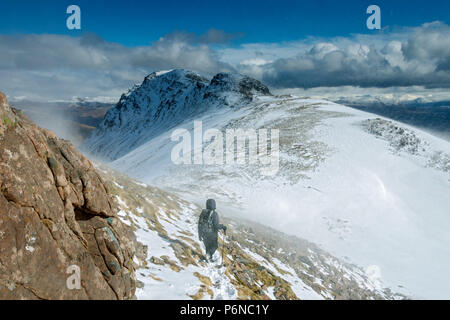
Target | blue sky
(312,47)
(138,22)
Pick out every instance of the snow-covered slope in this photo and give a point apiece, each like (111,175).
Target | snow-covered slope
(363,187)
(259,262)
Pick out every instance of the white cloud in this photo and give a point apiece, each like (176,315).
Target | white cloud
(409,57)
(50,67)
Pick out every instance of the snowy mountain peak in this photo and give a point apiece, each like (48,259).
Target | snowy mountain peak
(164,100)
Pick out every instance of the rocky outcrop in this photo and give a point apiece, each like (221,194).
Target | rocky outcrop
(232,82)
(57,217)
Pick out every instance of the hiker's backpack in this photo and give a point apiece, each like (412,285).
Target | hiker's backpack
(209,225)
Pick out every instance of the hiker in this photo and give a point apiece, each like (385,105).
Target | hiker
(208,227)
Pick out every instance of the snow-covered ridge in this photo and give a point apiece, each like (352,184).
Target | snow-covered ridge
(163,100)
(375,191)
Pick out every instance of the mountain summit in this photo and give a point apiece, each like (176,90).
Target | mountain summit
(164,100)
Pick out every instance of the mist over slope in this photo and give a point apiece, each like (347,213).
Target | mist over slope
(71,120)
(363,187)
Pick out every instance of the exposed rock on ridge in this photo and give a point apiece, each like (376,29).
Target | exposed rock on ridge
(55,212)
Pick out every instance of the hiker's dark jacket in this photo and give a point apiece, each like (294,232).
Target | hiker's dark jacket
(208,227)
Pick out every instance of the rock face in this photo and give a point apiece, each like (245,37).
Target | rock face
(56,213)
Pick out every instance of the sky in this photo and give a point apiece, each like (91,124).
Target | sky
(137,22)
(289,45)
